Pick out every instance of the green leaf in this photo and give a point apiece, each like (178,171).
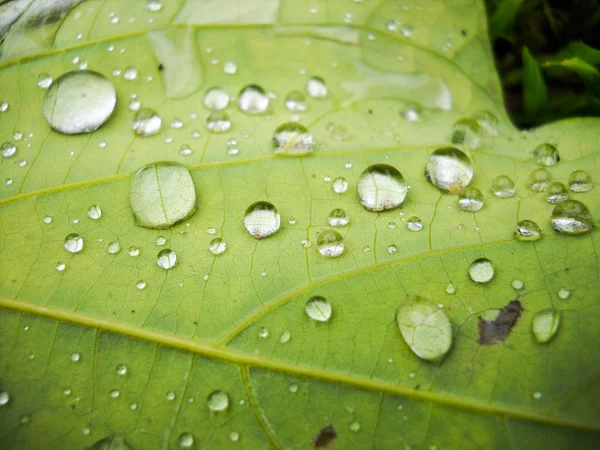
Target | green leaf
(578,49)
(503,17)
(106,349)
(535,95)
(589,74)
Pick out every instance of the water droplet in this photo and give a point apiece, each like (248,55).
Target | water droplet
(60,266)
(162,194)
(292,138)
(79,102)
(563,293)
(94,212)
(47,219)
(133,406)
(232,147)
(285,337)
(449,169)
(166,259)
(539,180)
(170,396)
(73,243)
(412,112)
(295,101)
(414,224)
(211,230)
(115,393)
(316,87)
(318,308)
(146,122)
(572,217)
(527,230)
(25,419)
(392,225)
(537,395)
(517,284)
(450,289)
(176,124)
(121,369)
(330,243)
(3,106)
(262,219)
(338,133)
(134,251)
(218,122)
(293,388)
(545,324)
(580,181)
(186,440)
(229,67)
(487,121)
(340,185)
(75,357)
(160,240)
(263,332)
(381,187)
(4,398)
(355,426)
(130,73)
(134,105)
(253,100)
(425,328)
(44,81)
(8,149)
(217,246)
(218,401)
(338,218)
(407,30)
(481,270)
(154,5)
(557,193)
(140,285)
(366,249)
(546,155)
(503,186)
(234,436)
(392,249)
(466,132)
(216,98)
(470,199)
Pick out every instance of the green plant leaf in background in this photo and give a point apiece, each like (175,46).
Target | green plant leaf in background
(104,343)
(535,95)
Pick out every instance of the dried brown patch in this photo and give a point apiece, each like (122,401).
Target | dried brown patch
(325,438)
(497,330)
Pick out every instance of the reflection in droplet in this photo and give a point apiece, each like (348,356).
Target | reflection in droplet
(262,219)
(470,199)
(330,243)
(253,100)
(503,186)
(338,218)
(527,230)
(216,98)
(292,138)
(572,217)
(466,132)
(381,187)
(316,87)
(539,180)
(74,243)
(557,193)
(146,122)
(481,270)
(218,401)
(295,101)
(546,155)
(580,181)
(166,259)
(545,324)
(449,169)
(318,308)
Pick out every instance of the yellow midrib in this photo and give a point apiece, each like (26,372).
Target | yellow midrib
(208,349)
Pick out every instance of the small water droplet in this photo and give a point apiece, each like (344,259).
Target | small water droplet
(293,388)
(449,169)
(140,285)
(527,230)
(263,333)
(306,243)
(218,122)
(316,87)
(234,436)
(25,419)
(564,293)
(381,187)
(134,105)
(130,73)
(232,147)
(170,396)
(572,217)
(218,401)
(146,122)
(60,267)
(115,393)
(154,5)
(450,289)
(285,337)
(217,246)
(354,426)
(392,249)
(252,99)
(176,124)
(4,398)
(262,219)
(121,369)
(8,149)
(166,259)
(95,212)
(186,440)
(44,81)
(133,406)
(330,243)
(392,25)
(229,67)
(340,185)
(292,138)
(503,186)
(318,309)
(546,155)
(481,270)
(392,225)
(412,112)
(557,193)
(338,218)
(160,240)
(466,132)
(545,324)
(47,219)
(487,121)
(295,101)
(134,251)
(73,243)
(580,181)
(407,30)
(414,224)
(517,284)
(75,357)
(537,395)
(470,199)
(3,106)
(366,249)
(216,98)
(539,180)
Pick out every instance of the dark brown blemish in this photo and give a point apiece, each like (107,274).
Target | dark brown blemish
(370,111)
(497,330)
(161,67)
(325,437)
(463,32)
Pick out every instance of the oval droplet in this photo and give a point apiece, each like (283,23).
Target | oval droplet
(316,87)
(481,270)
(580,181)
(425,328)
(218,401)
(487,121)
(146,122)
(545,324)
(470,199)
(216,98)
(557,193)
(79,102)
(563,293)
(166,259)
(186,440)
(527,230)
(340,185)
(414,223)
(503,186)
(74,243)
(412,112)
(113,248)
(44,81)
(218,122)
(572,217)
(154,5)
(330,243)
(292,138)
(381,187)
(338,218)
(162,194)
(8,149)
(466,132)
(318,309)
(262,219)
(539,180)
(546,155)
(253,100)
(217,246)
(94,212)
(295,101)
(4,398)
(449,169)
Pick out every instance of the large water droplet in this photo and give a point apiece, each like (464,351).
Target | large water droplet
(539,180)
(338,218)
(262,219)
(217,246)
(470,199)
(572,217)
(557,193)
(546,155)
(218,122)
(318,308)
(162,194)
(330,243)
(503,186)
(74,243)
(527,230)
(295,101)
(487,121)
(545,324)
(146,122)
(216,98)
(425,328)
(292,138)
(253,99)
(580,181)
(8,149)
(449,169)
(340,185)
(218,401)
(316,87)
(466,132)
(481,270)
(186,440)
(381,187)
(166,259)
(79,102)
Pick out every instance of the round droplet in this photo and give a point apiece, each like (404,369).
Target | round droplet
(466,132)
(134,105)
(545,324)
(253,100)
(122,369)
(218,122)
(113,248)
(392,25)
(8,149)
(503,186)
(557,193)
(234,436)
(295,101)
(130,73)
(318,308)
(539,180)
(412,112)
(340,185)
(470,199)
(4,398)
(381,187)
(425,328)
(146,122)
(154,5)
(216,98)
(79,102)
(230,68)
(285,337)
(140,285)
(293,388)
(546,155)
(47,219)
(75,357)
(166,259)
(392,249)
(170,396)
(292,138)
(44,81)
(316,87)
(133,251)
(354,426)
(414,224)
(527,230)
(487,122)
(572,217)
(74,243)
(330,243)
(450,289)
(263,332)
(517,284)
(338,218)
(580,181)
(186,440)
(217,246)
(160,240)
(563,293)
(481,270)
(162,194)
(94,212)
(60,267)
(218,401)
(262,219)
(449,169)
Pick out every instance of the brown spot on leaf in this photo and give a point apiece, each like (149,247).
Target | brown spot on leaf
(497,330)
(325,437)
